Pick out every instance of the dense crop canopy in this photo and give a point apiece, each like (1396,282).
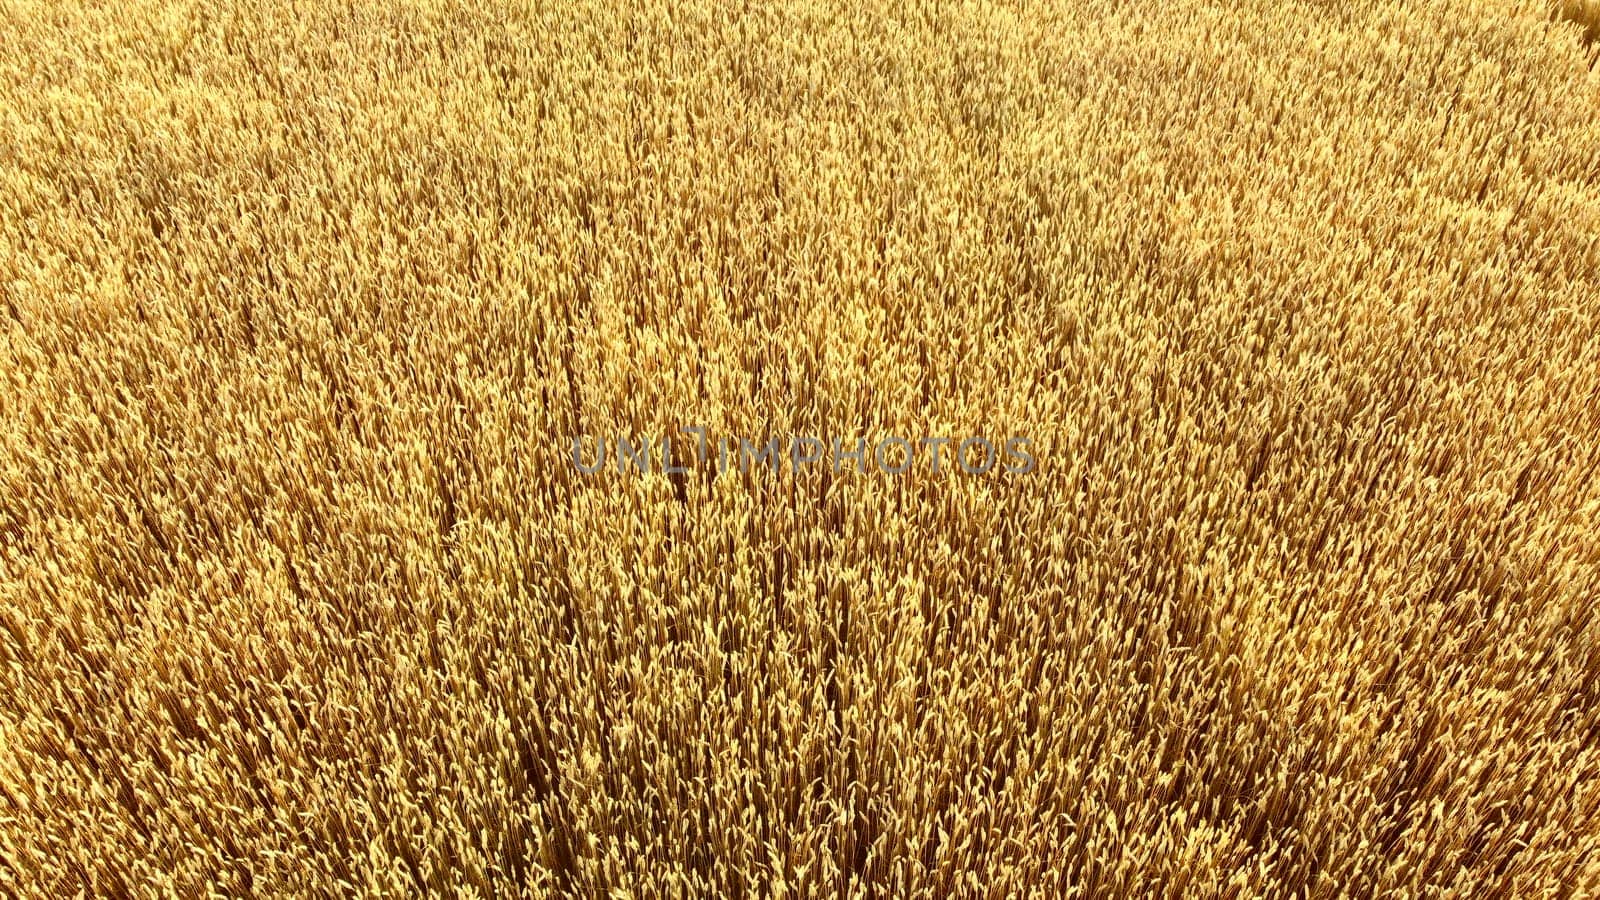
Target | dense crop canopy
(305,303)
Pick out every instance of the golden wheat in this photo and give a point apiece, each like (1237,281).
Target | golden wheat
(303,302)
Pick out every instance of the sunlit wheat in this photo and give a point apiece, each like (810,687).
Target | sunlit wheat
(303,303)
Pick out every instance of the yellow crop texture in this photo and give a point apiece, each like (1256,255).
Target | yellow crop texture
(303,303)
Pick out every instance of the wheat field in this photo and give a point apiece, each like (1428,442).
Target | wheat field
(311,309)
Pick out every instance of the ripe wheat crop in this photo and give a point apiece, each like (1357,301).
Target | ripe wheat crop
(1293,306)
